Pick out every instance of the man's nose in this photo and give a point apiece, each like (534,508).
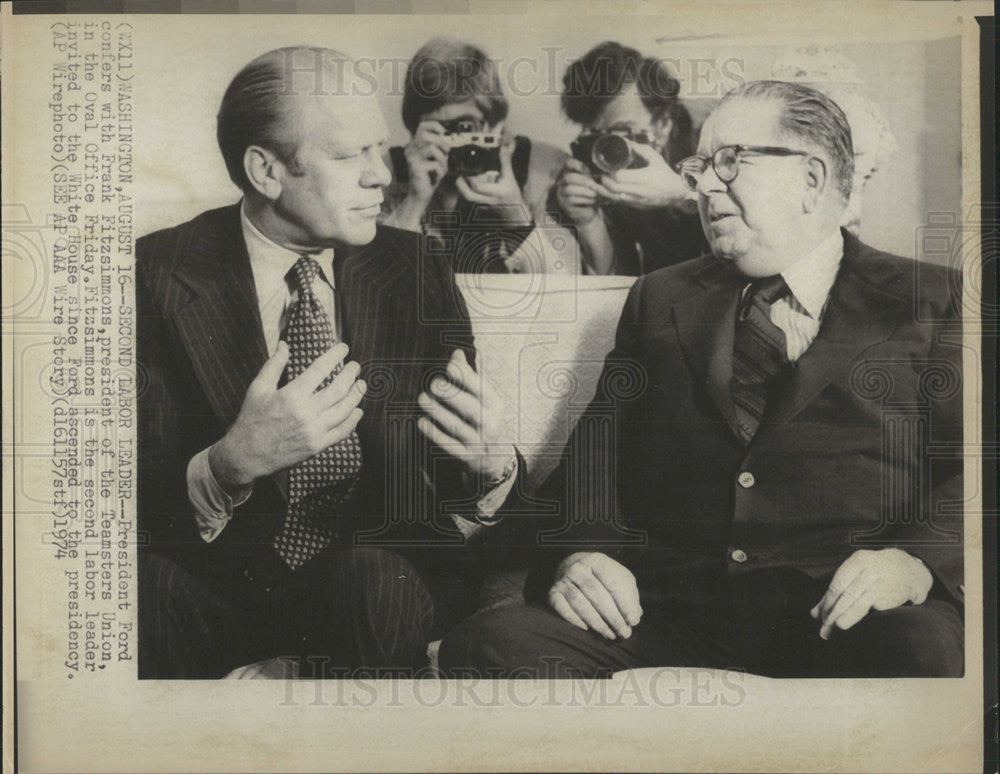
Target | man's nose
(377,173)
(709,181)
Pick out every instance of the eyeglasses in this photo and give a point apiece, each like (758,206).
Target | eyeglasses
(726,162)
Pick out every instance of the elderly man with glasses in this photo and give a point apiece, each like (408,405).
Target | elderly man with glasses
(779,490)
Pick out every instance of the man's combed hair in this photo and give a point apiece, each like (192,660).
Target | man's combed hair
(256,108)
(812,116)
(604,72)
(445,72)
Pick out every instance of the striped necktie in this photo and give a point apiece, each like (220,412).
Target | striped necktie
(316,486)
(760,355)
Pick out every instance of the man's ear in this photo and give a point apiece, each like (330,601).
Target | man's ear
(816,182)
(263,170)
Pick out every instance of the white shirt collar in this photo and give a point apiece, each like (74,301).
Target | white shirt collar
(270,262)
(810,278)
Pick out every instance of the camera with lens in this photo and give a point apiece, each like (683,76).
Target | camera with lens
(471,150)
(608,151)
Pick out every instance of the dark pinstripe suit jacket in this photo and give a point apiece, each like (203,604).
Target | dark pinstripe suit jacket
(200,344)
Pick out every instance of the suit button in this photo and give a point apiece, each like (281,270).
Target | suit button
(738,556)
(746,479)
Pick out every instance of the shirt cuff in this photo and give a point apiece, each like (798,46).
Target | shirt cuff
(213,506)
(490,503)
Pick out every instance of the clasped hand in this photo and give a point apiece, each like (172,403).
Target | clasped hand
(871,580)
(593,591)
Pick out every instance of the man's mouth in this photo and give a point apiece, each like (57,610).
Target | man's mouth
(369,211)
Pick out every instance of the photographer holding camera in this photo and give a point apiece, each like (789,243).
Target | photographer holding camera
(461,180)
(630,209)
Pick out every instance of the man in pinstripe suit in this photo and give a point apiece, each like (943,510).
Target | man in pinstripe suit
(274,473)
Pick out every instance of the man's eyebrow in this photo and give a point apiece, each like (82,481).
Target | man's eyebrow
(334,146)
(374,144)
(340,149)
(331,143)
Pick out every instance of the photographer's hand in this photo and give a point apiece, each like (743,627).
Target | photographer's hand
(580,198)
(650,187)
(578,194)
(427,163)
(498,190)
(427,160)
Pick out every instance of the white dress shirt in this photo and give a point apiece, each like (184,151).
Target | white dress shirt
(270,264)
(809,281)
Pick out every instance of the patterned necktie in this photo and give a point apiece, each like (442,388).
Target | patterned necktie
(316,485)
(760,354)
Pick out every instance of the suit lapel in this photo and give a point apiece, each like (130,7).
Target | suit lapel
(220,326)
(859,315)
(705,322)
(371,289)
(379,322)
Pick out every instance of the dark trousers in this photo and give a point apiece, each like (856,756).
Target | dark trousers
(349,608)
(760,624)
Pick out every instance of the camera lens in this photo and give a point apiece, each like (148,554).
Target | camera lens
(611,152)
(469,160)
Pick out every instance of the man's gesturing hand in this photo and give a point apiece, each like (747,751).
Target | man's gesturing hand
(278,428)
(867,580)
(593,591)
(462,415)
